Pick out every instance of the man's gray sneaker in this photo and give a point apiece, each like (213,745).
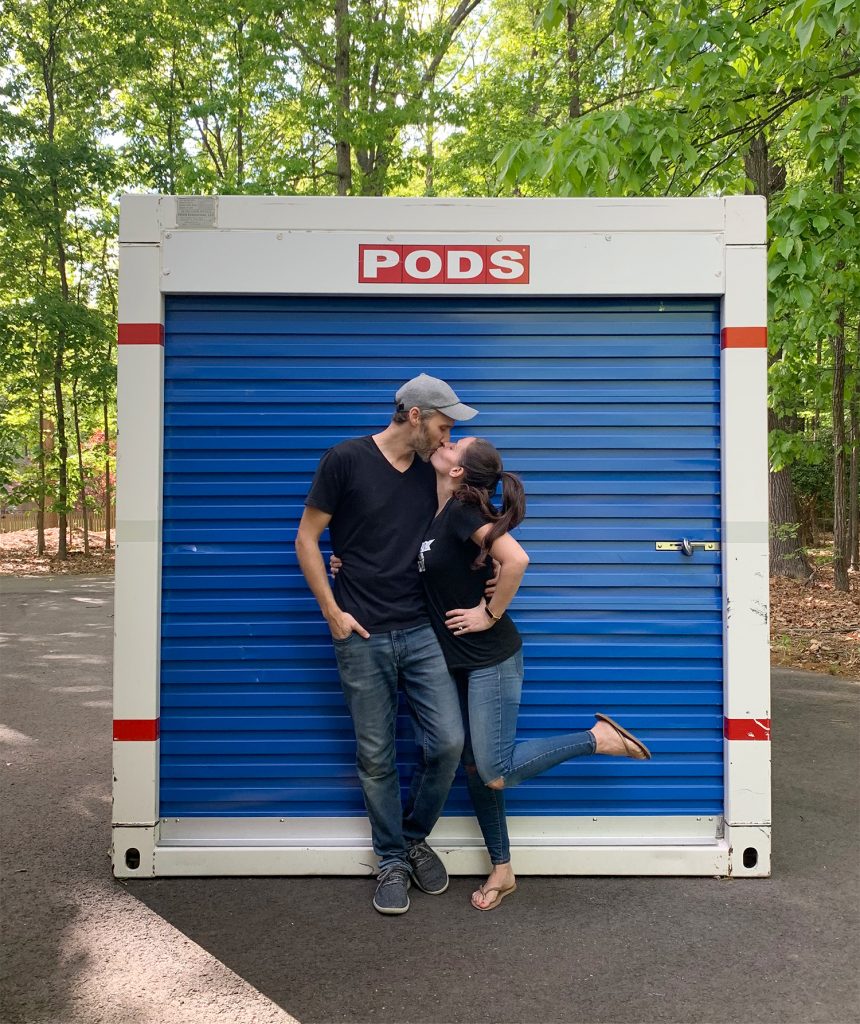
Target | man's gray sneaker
(427,870)
(392,890)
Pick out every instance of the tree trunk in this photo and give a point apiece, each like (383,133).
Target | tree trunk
(429,155)
(83,490)
(48,62)
(840,518)
(574,104)
(38,372)
(40,511)
(51,520)
(787,557)
(108,280)
(374,169)
(107,471)
(816,416)
(342,97)
(853,481)
(62,448)
(757,167)
(171,119)
(240,106)
(837,409)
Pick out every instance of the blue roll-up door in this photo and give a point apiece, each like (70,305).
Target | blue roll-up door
(609,409)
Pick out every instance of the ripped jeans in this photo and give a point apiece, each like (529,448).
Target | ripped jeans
(490,699)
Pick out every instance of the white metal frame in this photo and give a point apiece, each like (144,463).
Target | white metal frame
(587,247)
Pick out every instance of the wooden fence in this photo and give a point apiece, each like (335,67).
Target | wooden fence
(10,522)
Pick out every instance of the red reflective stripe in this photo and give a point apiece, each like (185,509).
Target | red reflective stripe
(744,337)
(135,729)
(140,334)
(746,728)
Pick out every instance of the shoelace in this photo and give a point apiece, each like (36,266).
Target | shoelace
(393,874)
(420,853)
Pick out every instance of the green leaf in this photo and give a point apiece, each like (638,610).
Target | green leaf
(803,295)
(805,32)
(785,247)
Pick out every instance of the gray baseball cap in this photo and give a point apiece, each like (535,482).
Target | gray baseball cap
(431,393)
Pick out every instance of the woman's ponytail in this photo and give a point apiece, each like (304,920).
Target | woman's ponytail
(482,472)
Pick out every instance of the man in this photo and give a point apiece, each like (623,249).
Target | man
(377,494)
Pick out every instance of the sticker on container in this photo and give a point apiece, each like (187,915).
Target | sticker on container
(443,264)
(196,211)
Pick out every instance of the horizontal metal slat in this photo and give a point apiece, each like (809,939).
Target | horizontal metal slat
(631,388)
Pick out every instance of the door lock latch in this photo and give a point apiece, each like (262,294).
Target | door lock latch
(687,547)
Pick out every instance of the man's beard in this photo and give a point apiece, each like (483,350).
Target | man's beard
(422,444)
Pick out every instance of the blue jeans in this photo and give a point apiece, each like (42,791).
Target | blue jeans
(490,701)
(370,671)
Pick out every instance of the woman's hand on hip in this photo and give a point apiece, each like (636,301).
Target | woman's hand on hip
(468,620)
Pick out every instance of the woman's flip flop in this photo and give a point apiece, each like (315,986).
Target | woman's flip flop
(639,752)
(500,895)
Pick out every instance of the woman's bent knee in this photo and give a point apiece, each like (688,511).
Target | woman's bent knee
(490,773)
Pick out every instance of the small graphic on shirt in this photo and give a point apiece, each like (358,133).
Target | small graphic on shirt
(425,546)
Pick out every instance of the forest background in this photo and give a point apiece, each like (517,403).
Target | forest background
(425,97)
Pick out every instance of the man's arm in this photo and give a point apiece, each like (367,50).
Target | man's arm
(312,524)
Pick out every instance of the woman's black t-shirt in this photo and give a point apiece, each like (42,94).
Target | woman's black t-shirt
(445,564)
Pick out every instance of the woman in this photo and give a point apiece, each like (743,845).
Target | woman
(483,648)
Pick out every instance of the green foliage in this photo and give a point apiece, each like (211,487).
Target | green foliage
(447,97)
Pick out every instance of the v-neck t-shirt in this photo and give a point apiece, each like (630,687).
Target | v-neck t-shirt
(445,562)
(378,517)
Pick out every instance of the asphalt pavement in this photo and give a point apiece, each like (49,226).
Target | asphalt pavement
(82,948)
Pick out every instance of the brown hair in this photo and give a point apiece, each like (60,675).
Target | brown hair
(482,471)
(401,414)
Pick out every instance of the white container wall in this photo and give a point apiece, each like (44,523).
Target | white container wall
(617,352)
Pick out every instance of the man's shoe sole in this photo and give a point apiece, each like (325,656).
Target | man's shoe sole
(431,892)
(393,910)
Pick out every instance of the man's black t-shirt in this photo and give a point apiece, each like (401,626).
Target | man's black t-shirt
(378,518)
(450,582)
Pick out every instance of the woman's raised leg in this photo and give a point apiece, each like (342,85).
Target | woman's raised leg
(494,704)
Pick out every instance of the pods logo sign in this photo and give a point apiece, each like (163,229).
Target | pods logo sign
(443,264)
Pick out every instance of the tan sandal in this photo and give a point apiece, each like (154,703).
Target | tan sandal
(633,747)
(500,895)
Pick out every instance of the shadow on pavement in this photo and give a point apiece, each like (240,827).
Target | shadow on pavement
(81,949)
(579,949)
(56,786)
